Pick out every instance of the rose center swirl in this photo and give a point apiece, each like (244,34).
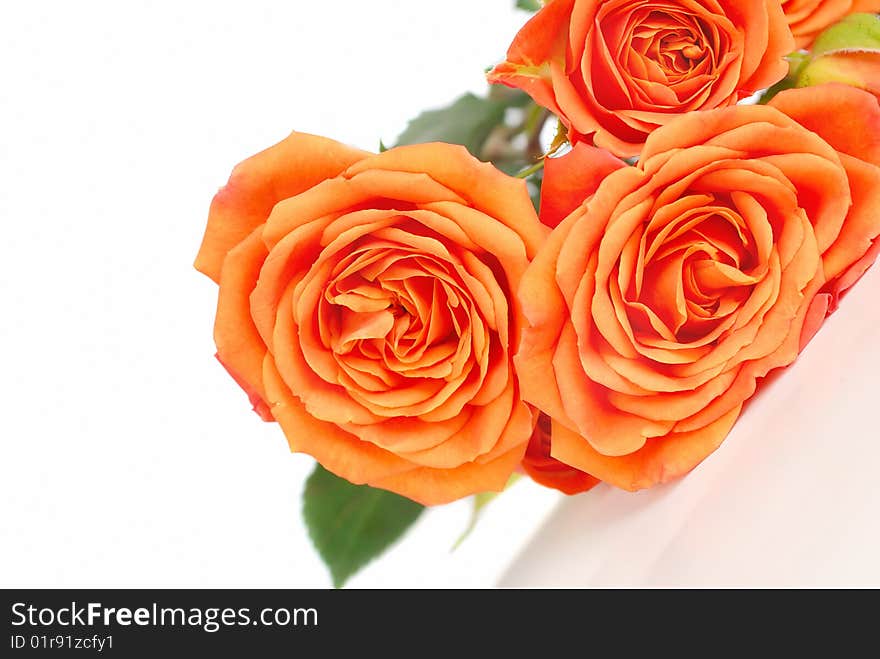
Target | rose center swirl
(389,316)
(657,57)
(695,264)
(673,46)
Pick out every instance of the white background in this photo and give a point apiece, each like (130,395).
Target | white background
(130,458)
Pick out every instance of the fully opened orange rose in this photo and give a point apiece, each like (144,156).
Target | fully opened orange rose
(615,70)
(366,304)
(659,302)
(807,18)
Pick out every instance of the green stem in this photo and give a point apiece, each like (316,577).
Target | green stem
(537,167)
(534,124)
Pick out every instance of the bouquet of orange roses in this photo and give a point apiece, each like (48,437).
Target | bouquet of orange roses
(591,304)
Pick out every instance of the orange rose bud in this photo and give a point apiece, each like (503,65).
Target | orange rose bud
(615,71)
(367,304)
(848,52)
(859,69)
(658,304)
(807,18)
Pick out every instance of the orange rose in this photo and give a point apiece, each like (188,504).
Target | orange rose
(657,304)
(616,70)
(807,18)
(365,304)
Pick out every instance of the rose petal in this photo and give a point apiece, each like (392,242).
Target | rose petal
(845,117)
(295,164)
(660,459)
(572,178)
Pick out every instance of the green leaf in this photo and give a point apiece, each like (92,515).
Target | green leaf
(350,525)
(480,501)
(528,5)
(468,121)
(856,32)
(514,98)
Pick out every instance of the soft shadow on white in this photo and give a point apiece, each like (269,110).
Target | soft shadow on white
(789,500)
